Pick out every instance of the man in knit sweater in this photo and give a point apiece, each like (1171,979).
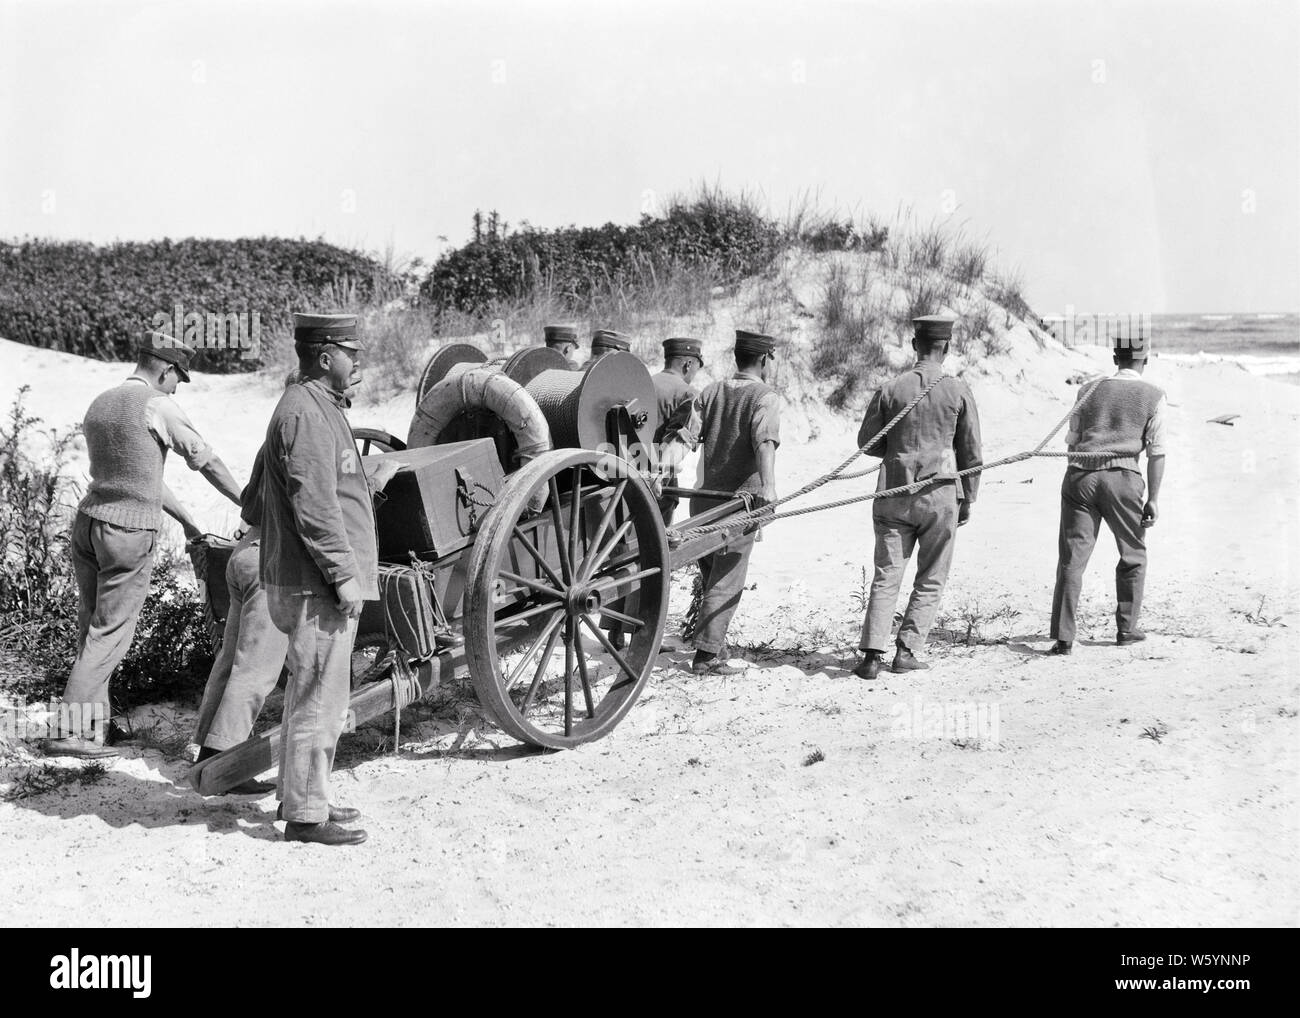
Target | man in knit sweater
(1124,415)
(939,437)
(319,562)
(128,430)
(679,417)
(740,431)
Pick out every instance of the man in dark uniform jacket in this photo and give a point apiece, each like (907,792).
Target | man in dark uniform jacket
(319,563)
(939,437)
(679,418)
(1125,415)
(740,431)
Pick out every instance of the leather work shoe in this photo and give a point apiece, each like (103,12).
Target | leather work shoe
(328,833)
(1124,639)
(710,664)
(82,749)
(870,665)
(338,814)
(1061,648)
(905,661)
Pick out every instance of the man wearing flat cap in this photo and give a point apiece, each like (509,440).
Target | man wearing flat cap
(563,338)
(319,563)
(679,418)
(605,341)
(1125,415)
(740,422)
(938,438)
(128,430)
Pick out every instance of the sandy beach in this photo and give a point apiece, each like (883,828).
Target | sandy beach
(1142,786)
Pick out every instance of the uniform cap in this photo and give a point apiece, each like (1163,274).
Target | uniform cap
(682,347)
(934,328)
(608,339)
(341,330)
(170,349)
(560,334)
(754,343)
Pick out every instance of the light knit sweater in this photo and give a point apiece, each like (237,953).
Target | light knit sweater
(126,460)
(1115,417)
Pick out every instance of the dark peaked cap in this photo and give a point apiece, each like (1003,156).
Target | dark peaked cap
(754,343)
(608,339)
(933,328)
(680,346)
(341,330)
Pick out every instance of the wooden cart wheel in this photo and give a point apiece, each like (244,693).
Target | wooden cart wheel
(539,587)
(374,441)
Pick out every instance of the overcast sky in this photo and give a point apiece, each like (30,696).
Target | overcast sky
(1126,156)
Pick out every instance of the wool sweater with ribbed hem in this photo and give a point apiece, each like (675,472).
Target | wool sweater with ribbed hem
(126,459)
(1115,419)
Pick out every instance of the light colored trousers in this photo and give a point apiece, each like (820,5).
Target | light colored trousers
(927,522)
(315,700)
(251,657)
(723,574)
(1088,497)
(113,566)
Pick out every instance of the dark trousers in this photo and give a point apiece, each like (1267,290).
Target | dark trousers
(1087,498)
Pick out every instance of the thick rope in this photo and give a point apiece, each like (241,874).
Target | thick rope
(766,513)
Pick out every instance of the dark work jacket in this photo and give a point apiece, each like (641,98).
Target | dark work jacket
(318,522)
(940,436)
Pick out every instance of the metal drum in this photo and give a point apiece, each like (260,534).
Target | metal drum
(577,403)
(442,362)
(525,365)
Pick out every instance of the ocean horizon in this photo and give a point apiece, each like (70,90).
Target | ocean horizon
(1264,343)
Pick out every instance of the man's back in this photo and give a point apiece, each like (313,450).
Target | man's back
(737,414)
(938,437)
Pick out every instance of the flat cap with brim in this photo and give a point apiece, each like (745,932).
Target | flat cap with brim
(560,334)
(933,328)
(754,343)
(608,339)
(341,330)
(1136,347)
(680,346)
(170,349)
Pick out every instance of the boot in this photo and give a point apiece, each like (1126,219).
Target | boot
(1061,648)
(869,667)
(905,661)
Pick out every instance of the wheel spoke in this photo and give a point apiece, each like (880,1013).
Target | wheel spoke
(536,585)
(575,518)
(598,560)
(538,558)
(541,670)
(568,676)
(566,567)
(582,672)
(628,620)
(609,649)
(524,616)
(619,581)
(528,655)
(607,517)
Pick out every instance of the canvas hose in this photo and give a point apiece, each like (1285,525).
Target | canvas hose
(765,514)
